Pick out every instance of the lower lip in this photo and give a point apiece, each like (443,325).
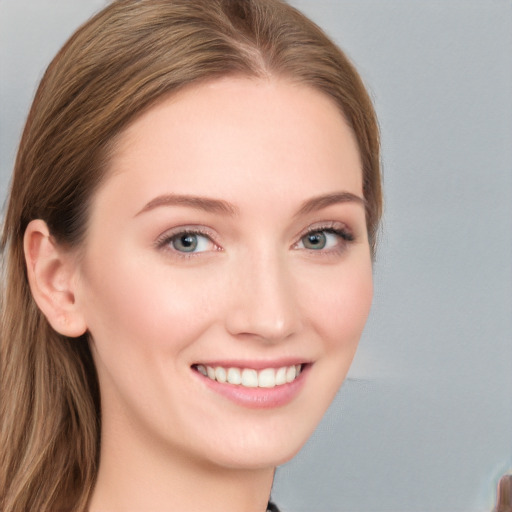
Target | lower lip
(258,398)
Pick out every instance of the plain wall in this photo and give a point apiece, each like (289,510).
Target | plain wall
(424,421)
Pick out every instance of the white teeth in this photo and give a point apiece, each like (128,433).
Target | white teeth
(291,373)
(267,378)
(281,376)
(249,378)
(234,376)
(220,374)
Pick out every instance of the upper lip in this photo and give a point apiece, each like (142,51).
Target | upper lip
(253,364)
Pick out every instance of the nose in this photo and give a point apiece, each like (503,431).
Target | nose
(263,302)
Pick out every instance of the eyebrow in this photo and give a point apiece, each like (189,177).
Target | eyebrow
(197,202)
(323,201)
(208,204)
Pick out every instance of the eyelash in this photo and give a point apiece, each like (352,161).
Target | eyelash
(165,241)
(345,237)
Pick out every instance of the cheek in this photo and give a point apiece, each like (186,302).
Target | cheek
(337,312)
(146,304)
(340,307)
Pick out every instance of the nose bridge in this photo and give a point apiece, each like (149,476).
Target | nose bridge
(264,304)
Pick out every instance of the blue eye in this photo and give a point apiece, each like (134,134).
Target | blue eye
(316,240)
(324,239)
(190,242)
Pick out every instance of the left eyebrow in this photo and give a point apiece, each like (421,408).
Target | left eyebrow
(323,201)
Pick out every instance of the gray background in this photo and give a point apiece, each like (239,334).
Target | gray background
(424,421)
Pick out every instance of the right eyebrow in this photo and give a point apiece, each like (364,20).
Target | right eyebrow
(206,204)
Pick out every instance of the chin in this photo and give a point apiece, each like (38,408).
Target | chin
(265,444)
(261,457)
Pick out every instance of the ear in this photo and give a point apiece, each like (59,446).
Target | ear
(51,274)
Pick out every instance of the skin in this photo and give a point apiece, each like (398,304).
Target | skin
(253,292)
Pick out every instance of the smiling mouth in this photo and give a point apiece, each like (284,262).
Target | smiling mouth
(251,378)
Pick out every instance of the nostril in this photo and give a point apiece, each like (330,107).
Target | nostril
(262,324)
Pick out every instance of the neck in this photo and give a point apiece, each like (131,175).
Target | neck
(154,480)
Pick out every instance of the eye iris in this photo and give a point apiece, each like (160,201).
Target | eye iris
(186,242)
(315,240)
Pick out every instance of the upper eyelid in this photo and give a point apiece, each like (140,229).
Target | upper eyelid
(325,226)
(165,236)
(335,227)
(214,237)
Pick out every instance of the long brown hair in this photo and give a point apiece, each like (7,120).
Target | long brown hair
(118,64)
(504,494)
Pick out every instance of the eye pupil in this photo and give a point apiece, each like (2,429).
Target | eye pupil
(315,240)
(186,242)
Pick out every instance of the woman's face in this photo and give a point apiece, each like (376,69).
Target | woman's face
(229,238)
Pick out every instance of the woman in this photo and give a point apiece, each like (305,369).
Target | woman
(187,249)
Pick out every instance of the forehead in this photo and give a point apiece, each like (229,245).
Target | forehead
(243,132)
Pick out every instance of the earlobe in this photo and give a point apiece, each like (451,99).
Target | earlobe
(51,274)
